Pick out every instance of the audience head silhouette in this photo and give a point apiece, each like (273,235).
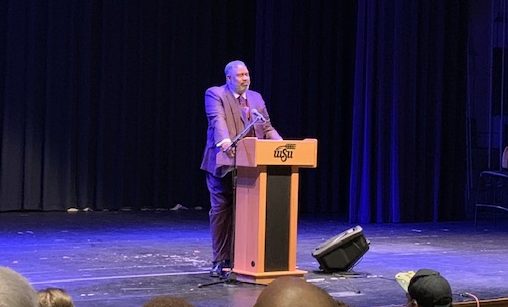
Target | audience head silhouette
(427,288)
(54,297)
(15,290)
(167,301)
(294,292)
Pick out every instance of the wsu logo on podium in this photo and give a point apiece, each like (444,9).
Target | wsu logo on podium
(284,152)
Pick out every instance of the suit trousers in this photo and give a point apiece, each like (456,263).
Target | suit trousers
(221,215)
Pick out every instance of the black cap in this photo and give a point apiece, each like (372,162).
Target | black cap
(430,289)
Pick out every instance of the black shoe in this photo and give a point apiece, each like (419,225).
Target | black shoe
(220,269)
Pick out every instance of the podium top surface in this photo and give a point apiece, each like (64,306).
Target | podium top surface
(253,152)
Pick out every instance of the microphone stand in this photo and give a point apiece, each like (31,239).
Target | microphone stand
(234,143)
(241,135)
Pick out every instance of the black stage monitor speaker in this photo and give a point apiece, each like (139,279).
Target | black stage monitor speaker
(341,252)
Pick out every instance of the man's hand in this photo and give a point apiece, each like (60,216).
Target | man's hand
(229,152)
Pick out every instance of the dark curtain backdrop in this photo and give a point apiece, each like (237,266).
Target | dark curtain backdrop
(101,102)
(408,149)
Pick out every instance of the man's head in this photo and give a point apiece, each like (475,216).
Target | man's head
(15,290)
(429,289)
(294,292)
(237,76)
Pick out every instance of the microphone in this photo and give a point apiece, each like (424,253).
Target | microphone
(258,115)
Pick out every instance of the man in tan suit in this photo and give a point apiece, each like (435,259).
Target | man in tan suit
(228,110)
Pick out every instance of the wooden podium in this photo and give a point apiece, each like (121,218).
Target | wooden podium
(266,213)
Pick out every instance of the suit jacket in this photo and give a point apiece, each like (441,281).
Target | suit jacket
(225,121)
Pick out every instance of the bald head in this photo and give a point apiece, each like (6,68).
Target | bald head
(294,292)
(15,290)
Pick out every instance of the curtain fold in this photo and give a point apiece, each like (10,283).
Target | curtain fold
(408,131)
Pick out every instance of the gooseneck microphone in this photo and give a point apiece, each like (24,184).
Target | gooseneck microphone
(258,115)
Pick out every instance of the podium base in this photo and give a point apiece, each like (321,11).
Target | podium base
(264,278)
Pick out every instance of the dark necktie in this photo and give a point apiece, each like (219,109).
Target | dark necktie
(244,108)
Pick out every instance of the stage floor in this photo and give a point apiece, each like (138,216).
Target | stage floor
(125,258)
